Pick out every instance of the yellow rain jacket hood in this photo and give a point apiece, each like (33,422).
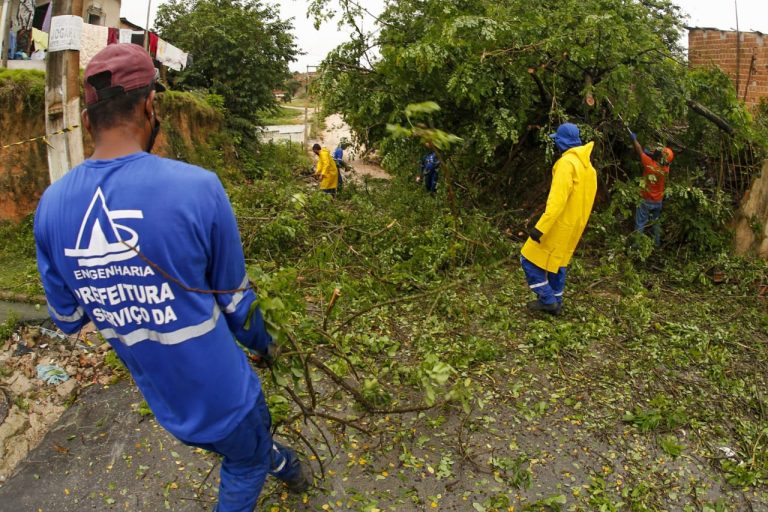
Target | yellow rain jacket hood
(326,169)
(574,185)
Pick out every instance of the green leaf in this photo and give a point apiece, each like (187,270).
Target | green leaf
(426,107)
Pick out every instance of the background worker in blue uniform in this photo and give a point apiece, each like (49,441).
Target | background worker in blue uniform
(553,240)
(429,169)
(338,157)
(96,231)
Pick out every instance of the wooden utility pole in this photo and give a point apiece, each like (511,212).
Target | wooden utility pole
(62,101)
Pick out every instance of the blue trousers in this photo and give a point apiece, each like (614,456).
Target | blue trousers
(548,286)
(339,166)
(649,211)
(430,181)
(250,454)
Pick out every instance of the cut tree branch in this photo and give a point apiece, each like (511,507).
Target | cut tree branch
(710,116)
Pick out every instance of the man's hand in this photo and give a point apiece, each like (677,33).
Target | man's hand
(535,235)
(264,359)
(633,136)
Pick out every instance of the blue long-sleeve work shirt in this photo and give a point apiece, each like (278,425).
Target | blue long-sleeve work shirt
(123,242)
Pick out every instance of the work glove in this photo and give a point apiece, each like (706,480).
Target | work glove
(535,235)
(633,136)
(266,358)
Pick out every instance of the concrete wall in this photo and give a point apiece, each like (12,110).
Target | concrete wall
(277,133)
(712,47)
(34,65)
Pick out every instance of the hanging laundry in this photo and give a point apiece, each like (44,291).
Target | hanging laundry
(114,35)
(125,35)
(170,56)
(137,37)
(40,39)
(12,44)
(47,19)
(162,45)
(94,40)
(26,14)
(153,43)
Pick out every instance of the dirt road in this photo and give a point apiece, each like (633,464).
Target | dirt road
(336,129)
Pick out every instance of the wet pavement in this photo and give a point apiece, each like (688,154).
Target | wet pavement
(22,312)
(104,455)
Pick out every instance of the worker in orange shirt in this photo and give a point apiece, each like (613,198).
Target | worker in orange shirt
(655,171)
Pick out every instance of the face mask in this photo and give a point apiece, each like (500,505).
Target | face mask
(153,134)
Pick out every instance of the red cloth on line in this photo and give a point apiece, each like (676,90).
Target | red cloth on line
(114,35)
(153,44)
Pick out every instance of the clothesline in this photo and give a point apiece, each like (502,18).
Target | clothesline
(94,38)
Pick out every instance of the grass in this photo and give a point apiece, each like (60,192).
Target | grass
(622,403)
(317,126)
(17,259)
(303,102)
(627,395)
(283,116)
(19,276)
(23,86)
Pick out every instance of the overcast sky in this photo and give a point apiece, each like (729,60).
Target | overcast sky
(753,15)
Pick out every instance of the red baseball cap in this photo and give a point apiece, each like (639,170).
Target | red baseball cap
(117,69)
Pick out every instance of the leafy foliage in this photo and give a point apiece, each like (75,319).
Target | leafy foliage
(505,74)
(26,86)
(241,51)
(499,69)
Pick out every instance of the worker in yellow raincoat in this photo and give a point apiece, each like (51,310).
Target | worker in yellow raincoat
(326,170)
(551,243)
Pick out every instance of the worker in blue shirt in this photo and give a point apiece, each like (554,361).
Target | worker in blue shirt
(149,250)
(429,170)
(338,157)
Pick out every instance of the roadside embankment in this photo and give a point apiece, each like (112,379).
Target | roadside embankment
(190,128)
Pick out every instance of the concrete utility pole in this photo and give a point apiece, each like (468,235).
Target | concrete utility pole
(146,27)
(62,101)
(306,107)
(5,26)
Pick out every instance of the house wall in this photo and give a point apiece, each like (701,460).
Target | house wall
(109,11)
(712,47)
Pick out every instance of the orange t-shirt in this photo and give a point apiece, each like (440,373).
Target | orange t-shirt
(655,175)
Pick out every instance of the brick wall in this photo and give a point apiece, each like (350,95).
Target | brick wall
(713,47)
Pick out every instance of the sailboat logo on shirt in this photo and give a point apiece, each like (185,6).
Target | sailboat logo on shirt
(101,239)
